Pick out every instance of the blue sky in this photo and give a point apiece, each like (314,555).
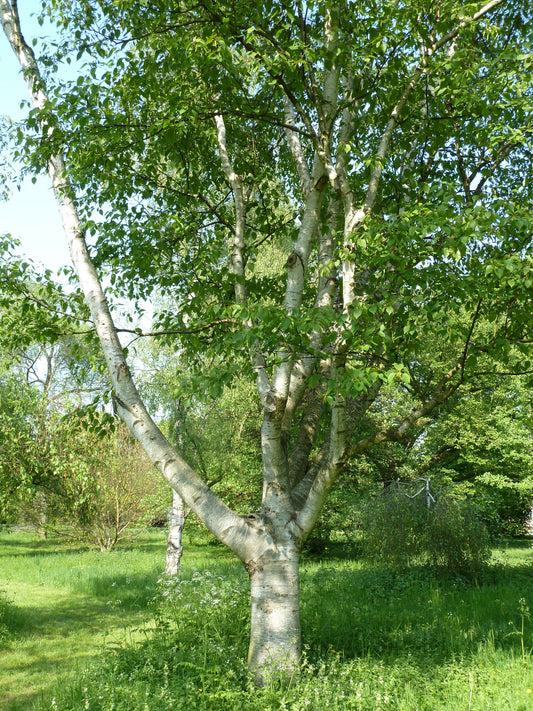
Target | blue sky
(30,214)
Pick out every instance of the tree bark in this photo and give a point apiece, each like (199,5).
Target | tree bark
(275,637)
(268,544)
(42,515)
(178,516)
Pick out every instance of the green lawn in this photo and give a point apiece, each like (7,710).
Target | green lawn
(67,609)
(98,632)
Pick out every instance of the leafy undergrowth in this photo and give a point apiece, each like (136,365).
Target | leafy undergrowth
(374,640)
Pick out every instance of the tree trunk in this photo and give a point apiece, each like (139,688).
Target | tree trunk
(178,516)
(275,638)
(42,515)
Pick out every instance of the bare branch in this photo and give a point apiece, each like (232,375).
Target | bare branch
(296,149)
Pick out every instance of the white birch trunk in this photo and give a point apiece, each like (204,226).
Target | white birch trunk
(275,637)
(268,544)
(42,514)
(178,516)
(244,537)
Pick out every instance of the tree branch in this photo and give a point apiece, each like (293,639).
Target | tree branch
(224,523)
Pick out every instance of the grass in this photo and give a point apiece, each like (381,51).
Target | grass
(65,610)
(99,632)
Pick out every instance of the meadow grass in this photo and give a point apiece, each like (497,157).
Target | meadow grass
(68,604)
(104,632)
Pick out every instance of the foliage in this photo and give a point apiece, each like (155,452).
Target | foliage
(34,306)
(58,473)
(23,455)
(435,182)
(483,445)
(447,534)
(340,520)
(62,464)
(45,372)
(503,505)
(218,436)
(371,149)
(110,487)
(478,443)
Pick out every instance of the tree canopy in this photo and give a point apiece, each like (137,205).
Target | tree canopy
(323,191)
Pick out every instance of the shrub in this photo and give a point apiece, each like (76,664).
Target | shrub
(401,532)
(504,505)
(338,520)
(457,539)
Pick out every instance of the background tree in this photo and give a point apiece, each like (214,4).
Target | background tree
(483,448)
(22,474)
(377,145)
(110,487)
(62,468)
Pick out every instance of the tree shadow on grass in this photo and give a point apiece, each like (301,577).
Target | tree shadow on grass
(69,615)
(48,642)
(16,543)
(102,597)
(106,600)
(17,548)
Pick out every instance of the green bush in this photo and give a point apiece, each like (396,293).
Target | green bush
(402,532)
(338,521)
(457,539)
(505,506)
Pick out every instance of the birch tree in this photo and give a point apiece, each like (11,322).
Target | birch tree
(376,146)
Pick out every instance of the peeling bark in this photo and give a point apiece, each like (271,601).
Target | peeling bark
(268,543)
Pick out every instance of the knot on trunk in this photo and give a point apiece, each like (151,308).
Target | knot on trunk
(293,259)
(273,405)
(253,519)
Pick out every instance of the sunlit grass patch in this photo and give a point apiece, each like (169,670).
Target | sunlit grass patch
(67,606)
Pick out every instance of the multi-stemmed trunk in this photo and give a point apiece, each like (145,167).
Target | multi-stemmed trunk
(268,544)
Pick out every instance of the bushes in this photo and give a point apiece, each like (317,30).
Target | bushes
(505,505)
(401,532)
(340,516)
